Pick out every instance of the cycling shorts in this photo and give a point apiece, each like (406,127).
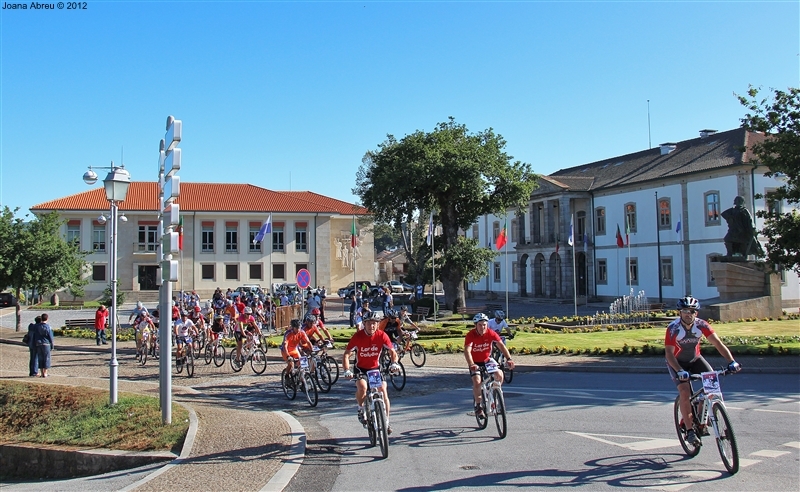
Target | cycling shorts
(696,366)
(184,339)
(481,365)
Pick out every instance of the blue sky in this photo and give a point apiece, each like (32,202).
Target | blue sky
(290,95)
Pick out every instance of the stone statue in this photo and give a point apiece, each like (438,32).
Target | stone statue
(741,237)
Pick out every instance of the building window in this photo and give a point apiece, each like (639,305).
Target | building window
(207,237)
(207,271)
(514,231)
(711,200)
(99,238)
(774,205)
(602,271)
(664,214)
(666,271)
(279,271)
(475,231)
(514,271)
(99,273)
(630,217)
(231,237)
(256,271)
(495,231)
(300,237)
(710,276)
(497,272)
(632,271)
(299,266)
(255,247)
(148,234)
(232,271)
(277,238)
(74,232)
(600,221)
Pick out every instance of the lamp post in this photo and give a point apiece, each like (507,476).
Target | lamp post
(116,185)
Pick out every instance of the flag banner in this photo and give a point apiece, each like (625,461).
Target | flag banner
(620,242)
(502,238)
(627,232)
(678,231)
(353,235)
(557,246)
(266,228)
(571,238)
(180,234)
(429,239)
(585,242)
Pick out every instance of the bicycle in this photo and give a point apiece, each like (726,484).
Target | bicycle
(493,401)
(322,374)
(497,355)
(215,351)
(375,411)
(299,378)
(252,352)
(398,380)
(186,360)
(149,346)
(331,363)
(709,411)
(415,350)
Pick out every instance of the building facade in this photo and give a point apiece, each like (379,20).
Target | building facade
(220,222)
(648,221)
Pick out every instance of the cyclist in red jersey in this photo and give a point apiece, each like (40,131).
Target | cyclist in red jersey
(478,350)
(368,344)
(682,351)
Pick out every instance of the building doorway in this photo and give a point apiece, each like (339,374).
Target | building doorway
(147,277)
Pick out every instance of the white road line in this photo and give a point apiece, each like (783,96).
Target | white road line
(792,444)
(768,453)
(743,462)
(635,443)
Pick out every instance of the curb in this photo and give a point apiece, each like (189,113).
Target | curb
(297,452)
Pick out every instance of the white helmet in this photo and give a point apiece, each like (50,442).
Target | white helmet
(480,317)
(499,314)
(139,305)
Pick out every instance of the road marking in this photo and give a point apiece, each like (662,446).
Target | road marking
(792,444)
(743,462)
(695,475)
(769,453)
(634,443)
(775,411)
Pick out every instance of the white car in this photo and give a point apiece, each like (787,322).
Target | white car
(394,285)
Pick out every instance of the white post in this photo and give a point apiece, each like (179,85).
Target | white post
(113,364)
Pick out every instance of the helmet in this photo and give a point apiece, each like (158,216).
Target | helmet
(688,302)
(480,317)
(139,305)
(499,314)
(230,302)
(391,313)
(315,311)
(197,309)
(248,310)
(309,318)
(208,304)
(371,316)
(295,323)
(218,316)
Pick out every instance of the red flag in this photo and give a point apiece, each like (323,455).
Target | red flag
(502,238)
(180,234)
(557,246)
(353,234)
(620,242)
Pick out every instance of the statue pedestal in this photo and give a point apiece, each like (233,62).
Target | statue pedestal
(745,291)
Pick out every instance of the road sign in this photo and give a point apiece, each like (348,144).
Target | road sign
(303,278)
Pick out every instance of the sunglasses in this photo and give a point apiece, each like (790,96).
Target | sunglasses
(689,311)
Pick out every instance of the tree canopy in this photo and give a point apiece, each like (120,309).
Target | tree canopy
(457,174)
(779,120)
(34,255)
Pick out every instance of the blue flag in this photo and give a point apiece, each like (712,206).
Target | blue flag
(266,228)
(678,231)
(571,238)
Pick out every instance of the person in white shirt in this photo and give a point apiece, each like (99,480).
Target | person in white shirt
(498,324)
(184,329)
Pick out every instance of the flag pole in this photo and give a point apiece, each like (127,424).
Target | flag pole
(628,237)
(433,274)
(505,267)
(658,252)
(574,276)
(352,245)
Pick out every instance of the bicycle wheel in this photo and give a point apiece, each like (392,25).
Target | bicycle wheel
(418,355)
(333,368)
(726,442)
(309,388)
(219,355)
(371,425)
(258,361)
(179,364)
(483,420)
(323,377)
(189,364)
(690,449)
(209,354)
(287,383)
(236,362)
(143,354)
(381,429)
(499,412)
(399,381)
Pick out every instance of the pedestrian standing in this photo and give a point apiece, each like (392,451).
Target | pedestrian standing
(353,309)
(44,344)
(33,364)
(100,319)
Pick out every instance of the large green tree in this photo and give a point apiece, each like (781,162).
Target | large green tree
(459,175)
(34,255)
(778,118)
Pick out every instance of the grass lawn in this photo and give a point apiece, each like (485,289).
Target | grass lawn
(78,416)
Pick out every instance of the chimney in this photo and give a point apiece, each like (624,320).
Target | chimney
(706,133)
(668,147)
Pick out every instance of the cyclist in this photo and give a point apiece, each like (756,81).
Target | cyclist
(368,344)
(249,322)
(142,323)
(139,310)
(498,323)
(217,329)
(405,318)
(314,328)
(392,326)
(294,339)
(196,315)
(361,313)
(184,329)
(682,350)
(477,350)
(148,331)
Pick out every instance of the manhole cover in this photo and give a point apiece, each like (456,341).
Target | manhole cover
(470,467)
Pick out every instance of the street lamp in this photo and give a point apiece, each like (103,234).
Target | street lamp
(116,184)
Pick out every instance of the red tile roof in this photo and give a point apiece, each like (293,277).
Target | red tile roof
(209,197)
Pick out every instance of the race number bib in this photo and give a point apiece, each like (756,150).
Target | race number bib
(491,366)
(374,378)
(304,362)
(711,385)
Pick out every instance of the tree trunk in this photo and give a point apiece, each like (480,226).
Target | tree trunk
(18,313)
(453,291)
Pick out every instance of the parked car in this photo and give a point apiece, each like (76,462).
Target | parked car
(348,291)
(7,299)
(408,287)
(395,286)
